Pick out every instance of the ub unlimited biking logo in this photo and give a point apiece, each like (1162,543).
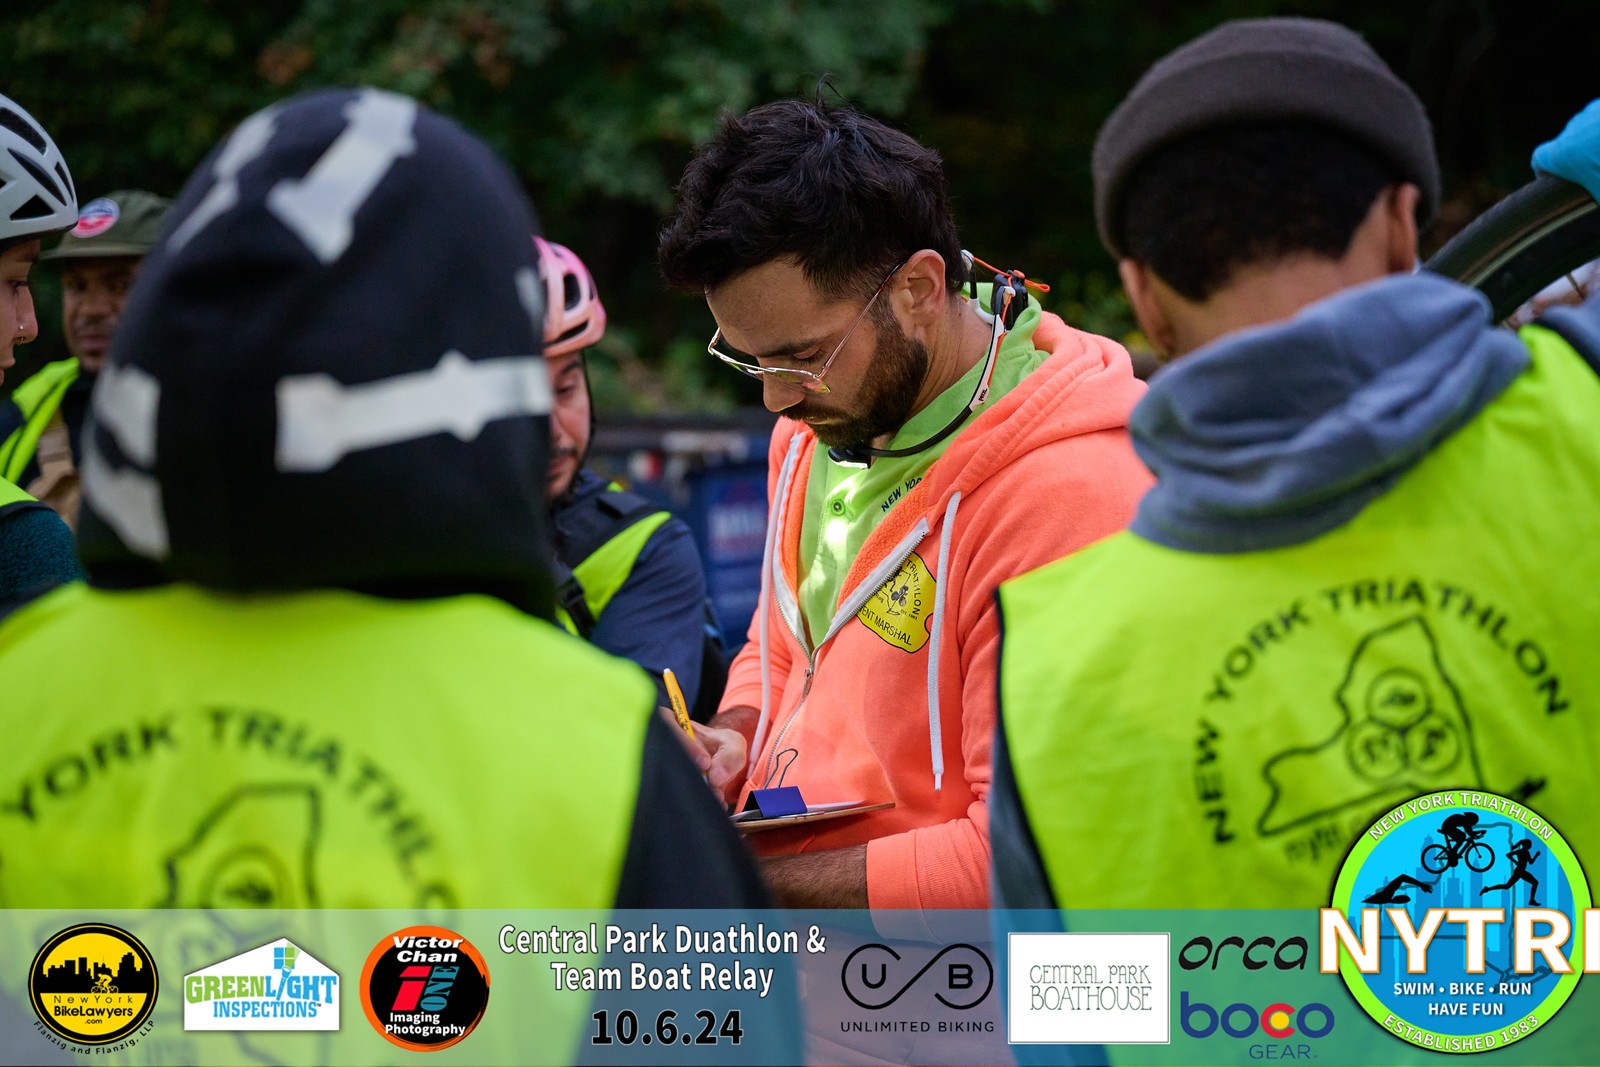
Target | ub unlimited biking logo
(963,982)
(916,988)
(1461,922)
(93,984)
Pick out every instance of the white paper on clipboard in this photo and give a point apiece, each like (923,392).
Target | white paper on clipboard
(751,822)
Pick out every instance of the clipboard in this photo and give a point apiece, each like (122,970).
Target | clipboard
(751,822)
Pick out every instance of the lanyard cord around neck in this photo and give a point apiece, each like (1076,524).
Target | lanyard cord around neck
(1006,304)
(863,454)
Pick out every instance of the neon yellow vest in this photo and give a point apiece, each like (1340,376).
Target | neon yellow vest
(1212,731)
(39,398)
(322,749)
(604,570)
(11,494)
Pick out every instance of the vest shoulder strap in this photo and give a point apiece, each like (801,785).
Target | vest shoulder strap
(581,530)
(35,402)
(583,527)
(569,597)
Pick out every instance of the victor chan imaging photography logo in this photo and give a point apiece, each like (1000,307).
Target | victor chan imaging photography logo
(93,984)
(1460,922)
(276,986)
(425,988)
(1089,989)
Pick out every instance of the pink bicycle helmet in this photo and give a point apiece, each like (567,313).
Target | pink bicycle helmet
(573,315)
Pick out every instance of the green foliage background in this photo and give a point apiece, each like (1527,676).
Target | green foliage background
(598,104)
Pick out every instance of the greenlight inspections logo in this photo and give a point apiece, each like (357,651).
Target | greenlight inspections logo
(276,986)
(1461,922)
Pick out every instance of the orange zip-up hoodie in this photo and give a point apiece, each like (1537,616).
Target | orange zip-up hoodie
(896,701)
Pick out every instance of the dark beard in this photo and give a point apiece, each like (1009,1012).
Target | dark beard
(899,367)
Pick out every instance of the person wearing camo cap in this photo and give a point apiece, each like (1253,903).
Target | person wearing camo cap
(41,426)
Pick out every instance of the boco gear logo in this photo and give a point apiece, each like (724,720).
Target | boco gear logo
(875,976)
(425,988)
(1240,1020)
(1460,922)
(97,217)
(93,984)
(1285,1023)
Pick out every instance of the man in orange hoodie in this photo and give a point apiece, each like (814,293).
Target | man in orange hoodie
(966,437)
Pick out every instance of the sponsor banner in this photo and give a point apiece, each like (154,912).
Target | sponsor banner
(761,988)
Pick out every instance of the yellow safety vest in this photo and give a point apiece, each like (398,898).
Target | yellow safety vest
(172,747)
(38,398)
(1212,731)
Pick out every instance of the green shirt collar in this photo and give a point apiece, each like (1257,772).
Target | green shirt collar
(1018,342)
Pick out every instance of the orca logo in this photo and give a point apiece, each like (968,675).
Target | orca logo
(1291,955)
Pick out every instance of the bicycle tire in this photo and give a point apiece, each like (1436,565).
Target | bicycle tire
(1472,850)
(1542,231)
(1441,856)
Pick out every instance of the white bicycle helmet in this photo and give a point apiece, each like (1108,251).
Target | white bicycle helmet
(573,315)
(37,197)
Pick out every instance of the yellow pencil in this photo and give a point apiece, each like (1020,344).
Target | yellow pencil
(679,708)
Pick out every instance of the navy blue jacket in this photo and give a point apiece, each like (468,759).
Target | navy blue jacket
(36,552)
(657,619)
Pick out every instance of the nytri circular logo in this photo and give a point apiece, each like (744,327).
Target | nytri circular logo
(93,984)
(425,988)
(1460,921)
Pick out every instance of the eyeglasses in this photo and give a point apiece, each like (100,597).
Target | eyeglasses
(810,381)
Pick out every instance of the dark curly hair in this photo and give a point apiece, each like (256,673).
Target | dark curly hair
(843,194)
(1204,205)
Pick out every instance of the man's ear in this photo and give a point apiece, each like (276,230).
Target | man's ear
(1400,222)
(1139,284)
(918,291)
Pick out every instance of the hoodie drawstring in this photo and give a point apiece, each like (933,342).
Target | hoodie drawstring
(769,555)
(935,731)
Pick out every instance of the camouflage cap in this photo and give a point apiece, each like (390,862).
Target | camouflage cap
(125,223)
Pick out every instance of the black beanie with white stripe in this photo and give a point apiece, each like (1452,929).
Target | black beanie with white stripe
(328,373)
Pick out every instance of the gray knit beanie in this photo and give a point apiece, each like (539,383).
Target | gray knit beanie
(1264,70)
